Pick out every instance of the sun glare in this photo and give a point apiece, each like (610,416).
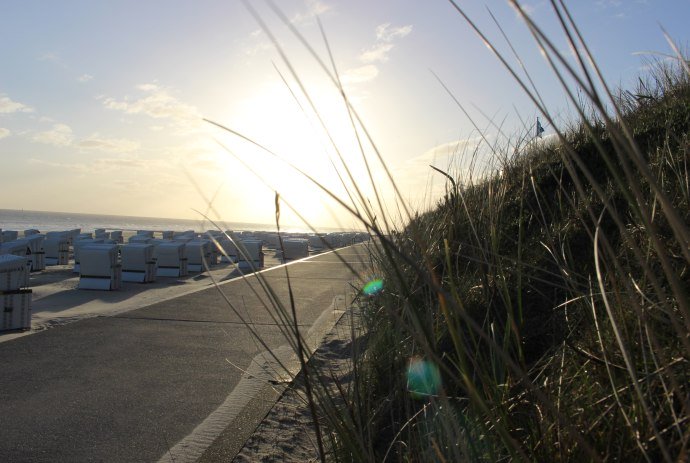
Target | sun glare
(301,152)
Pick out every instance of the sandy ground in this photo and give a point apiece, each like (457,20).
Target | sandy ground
(287,432)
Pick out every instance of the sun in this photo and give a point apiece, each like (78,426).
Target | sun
(284,148)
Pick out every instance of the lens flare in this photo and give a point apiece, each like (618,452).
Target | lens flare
(373,287)
(423,378)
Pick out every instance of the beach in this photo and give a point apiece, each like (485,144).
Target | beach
(157,327)
(57,301)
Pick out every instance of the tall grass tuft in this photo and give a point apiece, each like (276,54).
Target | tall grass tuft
(540,310)
(541,313)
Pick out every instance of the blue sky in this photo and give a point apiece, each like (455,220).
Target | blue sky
(101,103)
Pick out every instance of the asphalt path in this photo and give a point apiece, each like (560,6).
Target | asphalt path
(130,387)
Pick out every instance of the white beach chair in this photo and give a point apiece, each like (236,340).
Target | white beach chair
(171,259)
(116,235)
(18,248)
(72,235)
(99,267)
(78,246)
(316,243)
(138,263)
(250,255)
(56,250)
(198,255)
(15,298)
(227,249)
(57,234)
(140,239)
(295,248)
(9,235)
(271,240)
(168,235)
(101,234)
(334,240)
(187,234)
(14,272)
(31,231)
(35,251)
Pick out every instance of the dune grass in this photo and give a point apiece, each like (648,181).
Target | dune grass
(552,301)
(540,311)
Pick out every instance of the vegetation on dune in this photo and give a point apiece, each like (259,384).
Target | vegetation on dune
(553,299)
(540,313)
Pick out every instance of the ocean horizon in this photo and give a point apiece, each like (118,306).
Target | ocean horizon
(45,221)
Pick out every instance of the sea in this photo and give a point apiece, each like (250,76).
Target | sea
(20,220)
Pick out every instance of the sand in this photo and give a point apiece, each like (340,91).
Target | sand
(287,432)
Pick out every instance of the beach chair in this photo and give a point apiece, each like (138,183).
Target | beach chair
(35,251)
(99,267)
(138,263)
(31,231)
(101,234)
(56,248)
(140,239)
(14,272)
(316,243)
(171,259)
(227,249)
(72,235)
(15,298)
(187,234)
(15,248)
(198,255)
(271,240)
(295,248)
(250,255)
(168,235)
(78,245)
(116,235)
(9,235)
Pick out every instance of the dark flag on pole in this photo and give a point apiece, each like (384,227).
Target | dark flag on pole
(540,129)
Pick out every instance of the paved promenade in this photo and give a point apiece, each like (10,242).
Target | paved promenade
(160,383)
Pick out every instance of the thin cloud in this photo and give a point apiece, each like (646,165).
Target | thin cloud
(59,135)
(104,165)
(386,33)
(85,78)
(360,74)
(53,58)
(114,145)
(7,105)
(314,8)
(445,153)
(158,103)
(461,159)
(377,53)
(4,132)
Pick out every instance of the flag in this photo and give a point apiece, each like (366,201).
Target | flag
(540,129)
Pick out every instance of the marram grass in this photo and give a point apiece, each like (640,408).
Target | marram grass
(540,311)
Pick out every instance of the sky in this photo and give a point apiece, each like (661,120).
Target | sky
(114,107)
